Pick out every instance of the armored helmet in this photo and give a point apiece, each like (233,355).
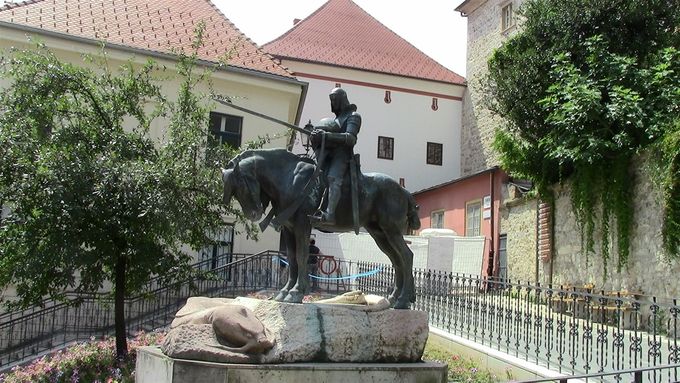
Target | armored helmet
(339,100)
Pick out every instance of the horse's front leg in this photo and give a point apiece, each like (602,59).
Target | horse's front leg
(302,233)
(288,237)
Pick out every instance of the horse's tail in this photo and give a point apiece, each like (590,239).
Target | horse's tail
(412,214)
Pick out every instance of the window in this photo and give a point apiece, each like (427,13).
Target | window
(437,219)
(503,257)
(507,17)
(434,153)
(473,218)
(226,129)
(219,252)
(386,147)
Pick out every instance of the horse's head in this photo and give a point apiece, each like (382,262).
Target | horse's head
(242,185)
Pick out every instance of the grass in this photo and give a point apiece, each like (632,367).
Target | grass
(461,369)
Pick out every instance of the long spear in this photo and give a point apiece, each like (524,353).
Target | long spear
(270,118)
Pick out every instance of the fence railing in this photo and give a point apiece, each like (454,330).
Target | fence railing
(573,331)
(570,330)
(28,333)
(638,375)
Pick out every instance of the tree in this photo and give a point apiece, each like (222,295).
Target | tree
(584,86)
(90,196)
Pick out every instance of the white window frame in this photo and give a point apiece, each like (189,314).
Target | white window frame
(473,219)
(437,219)
(507,16)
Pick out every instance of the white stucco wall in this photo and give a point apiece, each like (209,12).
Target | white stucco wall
(409,119)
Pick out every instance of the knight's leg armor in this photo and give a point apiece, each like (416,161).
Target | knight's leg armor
(334,190)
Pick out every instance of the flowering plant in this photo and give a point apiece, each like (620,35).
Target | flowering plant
(93,361)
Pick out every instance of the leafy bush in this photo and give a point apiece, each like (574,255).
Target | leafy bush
(93,361)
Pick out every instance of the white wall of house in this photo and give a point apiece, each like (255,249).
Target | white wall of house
(271,96)
(408,118)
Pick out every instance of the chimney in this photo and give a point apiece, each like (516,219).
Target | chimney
(295,21)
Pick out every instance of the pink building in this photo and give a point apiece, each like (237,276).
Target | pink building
(470,207)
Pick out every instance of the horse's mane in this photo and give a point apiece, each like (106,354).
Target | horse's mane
(253,152)
(235,161)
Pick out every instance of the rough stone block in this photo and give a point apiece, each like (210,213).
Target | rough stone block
(313,333)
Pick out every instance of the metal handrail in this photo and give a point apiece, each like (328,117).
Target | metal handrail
(30,331)
(636,372)
(50,304)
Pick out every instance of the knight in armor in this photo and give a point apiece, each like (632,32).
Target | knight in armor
(339,136)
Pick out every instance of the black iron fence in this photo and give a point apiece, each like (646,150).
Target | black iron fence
(569,330)
(636,375)
(26,334)
(573,330)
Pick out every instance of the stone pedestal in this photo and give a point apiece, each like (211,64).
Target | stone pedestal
(155,367)
(312,333)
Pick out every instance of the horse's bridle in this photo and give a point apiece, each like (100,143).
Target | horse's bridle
(253,195)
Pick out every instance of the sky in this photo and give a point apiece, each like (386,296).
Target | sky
(430,25)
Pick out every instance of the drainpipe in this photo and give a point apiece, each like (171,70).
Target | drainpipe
(538,227)
(492,260)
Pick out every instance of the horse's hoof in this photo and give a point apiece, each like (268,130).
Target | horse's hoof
(281,296)
(293,297)
(401,304)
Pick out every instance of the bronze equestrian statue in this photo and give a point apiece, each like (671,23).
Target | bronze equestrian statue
(293,187)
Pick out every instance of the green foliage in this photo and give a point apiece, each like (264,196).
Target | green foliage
(667,150)
(584,87)
(91,196)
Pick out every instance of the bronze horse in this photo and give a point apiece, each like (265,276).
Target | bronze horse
(257,178)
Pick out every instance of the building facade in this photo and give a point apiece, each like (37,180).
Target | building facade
(470,206)
(410,105)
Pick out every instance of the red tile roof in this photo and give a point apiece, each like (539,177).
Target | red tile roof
(155,25)
(341,33)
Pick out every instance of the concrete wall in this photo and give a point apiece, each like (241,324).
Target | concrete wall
(446,253)
(408,118)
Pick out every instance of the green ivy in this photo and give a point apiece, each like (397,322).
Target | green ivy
(586,87)
(667,155)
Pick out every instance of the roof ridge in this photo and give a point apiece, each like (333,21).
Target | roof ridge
(237,29)
(12,4)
